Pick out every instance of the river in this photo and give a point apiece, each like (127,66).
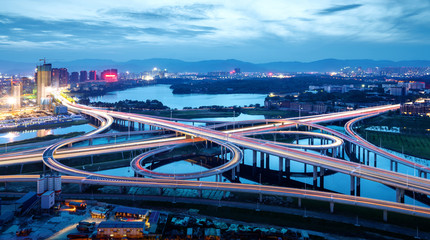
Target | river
(163,93)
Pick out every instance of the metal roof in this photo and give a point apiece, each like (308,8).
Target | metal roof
(113,224)
(130,210)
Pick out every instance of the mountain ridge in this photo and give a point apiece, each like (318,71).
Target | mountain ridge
(204,66)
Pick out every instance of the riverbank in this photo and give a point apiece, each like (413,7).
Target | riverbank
(45,126)
(43,139)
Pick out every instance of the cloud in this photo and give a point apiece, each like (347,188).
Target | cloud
(217,24)
(339,8)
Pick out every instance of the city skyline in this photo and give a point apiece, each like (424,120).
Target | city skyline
(192,31)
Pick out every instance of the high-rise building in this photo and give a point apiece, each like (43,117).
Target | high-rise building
(74,77)
(83,76)
(43,77)
(17,94)
(92,75)
(110,75)
(60,77)
(64,77)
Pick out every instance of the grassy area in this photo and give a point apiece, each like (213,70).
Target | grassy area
(414,145)
(413,139)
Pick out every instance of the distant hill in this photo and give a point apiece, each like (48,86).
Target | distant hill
(174,65)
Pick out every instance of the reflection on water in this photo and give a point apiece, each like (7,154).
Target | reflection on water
(13,136)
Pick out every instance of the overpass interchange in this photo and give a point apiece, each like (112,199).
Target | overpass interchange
(231,138)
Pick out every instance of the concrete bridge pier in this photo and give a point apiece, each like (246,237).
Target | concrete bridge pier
(254,162)
(385,215)
(261,160)
(358,186)
(375,159)
(267,161)
(331,207)
(352,185)
(281,168)
(368,158)
(315,177)
(343,153)
(287,168)
(400,195)
(160,191)
(322,172)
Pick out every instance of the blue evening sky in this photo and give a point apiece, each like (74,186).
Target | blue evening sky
(255,31)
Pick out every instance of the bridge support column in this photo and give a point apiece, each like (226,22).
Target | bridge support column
(200,193)
(254,162)
(332,207)
(375,159)
(352,185)
(396,166)
(385,215)
(261,160)
(287,168)
(322,172)
(233,174)
(306,168)
(90,142)
(267,161)
(343,152)
(160,191)
(358,187)
(368,158)
(400,195)
(299,202)
(260,197)
(315,177)
(359,153)
(281,168)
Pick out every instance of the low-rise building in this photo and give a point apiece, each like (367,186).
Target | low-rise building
(421,107)
(120,230)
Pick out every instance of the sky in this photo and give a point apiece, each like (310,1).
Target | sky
(254,31)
